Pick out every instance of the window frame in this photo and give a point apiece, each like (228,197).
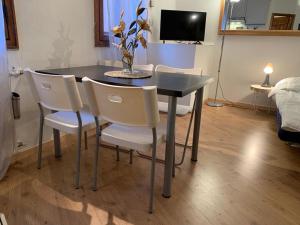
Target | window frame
(11,34)
(101,37)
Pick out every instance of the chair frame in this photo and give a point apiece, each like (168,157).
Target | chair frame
(185,145)
(79,134)
(56,131)
(88,82)
(152,177)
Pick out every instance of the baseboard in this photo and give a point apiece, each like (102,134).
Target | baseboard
(243,105)
(23,153)
(64,139)
(26,151)
(181,110)
(19,155)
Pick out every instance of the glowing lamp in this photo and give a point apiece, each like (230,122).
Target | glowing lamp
(268,71)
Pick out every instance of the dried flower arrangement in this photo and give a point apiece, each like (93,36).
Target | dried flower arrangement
(129,40)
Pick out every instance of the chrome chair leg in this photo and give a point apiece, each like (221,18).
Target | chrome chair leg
(40,137)
(118,153)
(98,134)
(57,145)
(173,171)
(152,178)
(185,146)
(85,140)
(130,156)
(77,178)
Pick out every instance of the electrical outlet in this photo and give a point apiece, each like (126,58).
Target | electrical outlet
(16,71)
(20,145)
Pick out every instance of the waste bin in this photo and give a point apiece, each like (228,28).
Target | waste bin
(16,105)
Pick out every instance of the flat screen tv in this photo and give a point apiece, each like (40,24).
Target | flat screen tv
(182,25)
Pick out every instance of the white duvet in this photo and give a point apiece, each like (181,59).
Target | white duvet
(287,96)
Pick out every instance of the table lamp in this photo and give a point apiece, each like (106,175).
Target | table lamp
(268,71)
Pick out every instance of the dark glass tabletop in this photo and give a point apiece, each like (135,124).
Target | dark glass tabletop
(170,84)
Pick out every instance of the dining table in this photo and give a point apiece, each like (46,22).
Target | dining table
(173,85)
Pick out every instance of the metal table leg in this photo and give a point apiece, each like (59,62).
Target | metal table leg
(197,123)
(255,101)
(56,137)
(170,147)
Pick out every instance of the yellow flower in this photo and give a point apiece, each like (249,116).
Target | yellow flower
(139,8)
(127,55)
(122,25)
(117,30)
(144,25)
(143,41)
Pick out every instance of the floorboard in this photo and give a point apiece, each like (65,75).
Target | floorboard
(245,175)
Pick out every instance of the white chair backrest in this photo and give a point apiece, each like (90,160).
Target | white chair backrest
(149,67)
(55,92)
(131,106)
(113,63)
(167,69)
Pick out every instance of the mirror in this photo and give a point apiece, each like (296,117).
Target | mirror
(260,17)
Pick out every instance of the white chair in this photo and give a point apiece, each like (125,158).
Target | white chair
(149,67)
(119,64)
(113,63)
(183,104)
(60,94)
(134,113)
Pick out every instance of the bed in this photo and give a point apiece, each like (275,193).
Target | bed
(286,94)
(285,135)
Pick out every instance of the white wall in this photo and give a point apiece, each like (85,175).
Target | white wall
(60,33)
(204,54)
(155,13)
(51,34)
(244,56)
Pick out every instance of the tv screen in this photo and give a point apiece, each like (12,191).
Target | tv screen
(182,25)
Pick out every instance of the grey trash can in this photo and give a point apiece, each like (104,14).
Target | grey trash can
(16,105)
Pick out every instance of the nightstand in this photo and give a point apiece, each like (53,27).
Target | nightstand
(257,88)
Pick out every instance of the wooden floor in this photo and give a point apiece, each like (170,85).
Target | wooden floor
(244,175)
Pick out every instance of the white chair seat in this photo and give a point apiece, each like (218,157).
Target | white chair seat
(183,104)
(136,138)
(181,110)
(68,122)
